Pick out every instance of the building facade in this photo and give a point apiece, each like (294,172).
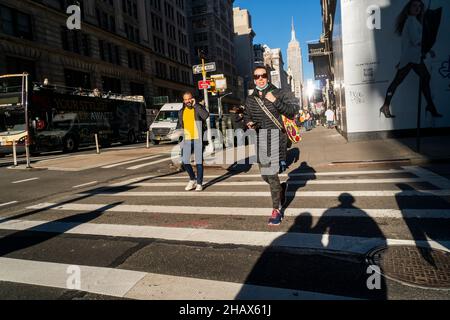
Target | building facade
(243,40)
(258,52)
(365,60)
(295,64)
(213,34)
(273,60)
(168,31)
(112,51)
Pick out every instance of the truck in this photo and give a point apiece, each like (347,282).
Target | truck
(61,118)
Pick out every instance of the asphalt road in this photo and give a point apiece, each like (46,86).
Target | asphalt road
(135,234)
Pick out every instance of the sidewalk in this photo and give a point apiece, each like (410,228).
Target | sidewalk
(324,147)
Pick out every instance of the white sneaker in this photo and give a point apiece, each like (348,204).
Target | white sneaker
(191,186)
(199,188)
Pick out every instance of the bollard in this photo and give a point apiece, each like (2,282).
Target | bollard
(27,152)
(148,139)
(14,153)
(96,144)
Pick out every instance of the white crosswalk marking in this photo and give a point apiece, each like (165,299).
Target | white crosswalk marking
(149,200)
(304,194)
(130,162)
(140,285)
(293,183)
(358,245)
(140,166)
(241,211)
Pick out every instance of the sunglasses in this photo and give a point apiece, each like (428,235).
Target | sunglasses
(259,76)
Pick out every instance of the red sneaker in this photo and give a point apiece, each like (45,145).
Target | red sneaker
(276,219)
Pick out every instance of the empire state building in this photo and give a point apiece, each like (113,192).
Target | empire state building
(295,64)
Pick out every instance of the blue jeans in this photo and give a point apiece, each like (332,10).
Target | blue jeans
(195,147)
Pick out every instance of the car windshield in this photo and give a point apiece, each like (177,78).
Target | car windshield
(167,116)
(12,120)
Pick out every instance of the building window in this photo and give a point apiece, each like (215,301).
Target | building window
(135,60)
(109,52)
(111,85)
(15,23)
(77,79)
(75,41)
(161,70)
(137,89)
(16,65)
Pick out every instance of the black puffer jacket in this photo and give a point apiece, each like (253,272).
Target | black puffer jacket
(286,104)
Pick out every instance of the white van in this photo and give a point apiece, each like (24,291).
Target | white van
(164,129)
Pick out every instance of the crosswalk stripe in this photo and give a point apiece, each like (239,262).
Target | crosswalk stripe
(8,203)
(297,175)
(130,162)
(257,212)
(142,286)
(292,183)
(299,194)
(149,164)
(349,244)
(430,177)
(248,176)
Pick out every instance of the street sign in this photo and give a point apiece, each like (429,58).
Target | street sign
(204,84)
(209,67)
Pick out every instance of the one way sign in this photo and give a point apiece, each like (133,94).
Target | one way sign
(209,67)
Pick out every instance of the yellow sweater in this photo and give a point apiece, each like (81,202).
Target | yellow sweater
(190,128)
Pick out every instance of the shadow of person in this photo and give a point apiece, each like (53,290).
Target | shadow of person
(293,156)
(320,258)
(423,230)
(31,237)
(297,179)
(234,170)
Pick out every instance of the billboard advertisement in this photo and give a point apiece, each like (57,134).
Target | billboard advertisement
(389,48)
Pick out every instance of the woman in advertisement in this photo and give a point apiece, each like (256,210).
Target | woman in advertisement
(411,26)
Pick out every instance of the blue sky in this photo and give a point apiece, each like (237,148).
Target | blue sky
(272,24)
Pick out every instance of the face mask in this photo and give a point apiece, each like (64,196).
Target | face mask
(262,89)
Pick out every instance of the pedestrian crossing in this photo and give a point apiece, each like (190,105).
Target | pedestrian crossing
(216,244)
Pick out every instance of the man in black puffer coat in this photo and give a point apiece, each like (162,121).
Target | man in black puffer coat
(272,142)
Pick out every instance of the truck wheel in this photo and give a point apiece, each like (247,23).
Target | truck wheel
(70,144)
(156,143)
(131,137)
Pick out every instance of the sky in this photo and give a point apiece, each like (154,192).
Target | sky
(272,24)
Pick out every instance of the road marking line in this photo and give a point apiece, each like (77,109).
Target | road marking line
(298,194)
(27,180)
(85,185)
(242,176)
(8,203)
(149,164)
(130,162)
(293,183)
(349,244)
(96,280)
(121,283)
(255,212)
(430,177)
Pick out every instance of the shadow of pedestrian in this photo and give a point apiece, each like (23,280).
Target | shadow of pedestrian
(293,156)
(320,258)
(424,230)
(297,179)
(28,238)
(234,170)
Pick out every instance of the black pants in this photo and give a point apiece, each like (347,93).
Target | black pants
(422,71)
(275,188)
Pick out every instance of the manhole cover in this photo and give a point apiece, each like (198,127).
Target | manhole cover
(423,267)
